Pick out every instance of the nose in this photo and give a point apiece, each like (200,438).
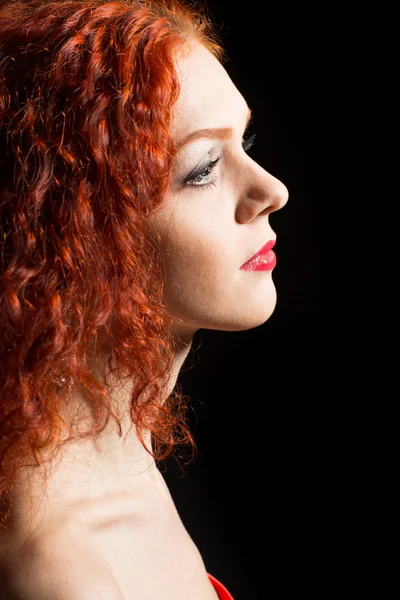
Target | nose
(262,192)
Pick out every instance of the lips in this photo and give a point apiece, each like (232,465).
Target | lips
(264,250)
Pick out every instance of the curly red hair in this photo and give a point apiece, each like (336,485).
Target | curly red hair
(86,92)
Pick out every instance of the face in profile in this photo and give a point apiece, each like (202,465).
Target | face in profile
(216,214)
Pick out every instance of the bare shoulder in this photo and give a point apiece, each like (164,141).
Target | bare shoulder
(63,568)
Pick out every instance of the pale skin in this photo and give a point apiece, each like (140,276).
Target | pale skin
(207,232)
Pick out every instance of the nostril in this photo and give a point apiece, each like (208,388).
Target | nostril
(267,210)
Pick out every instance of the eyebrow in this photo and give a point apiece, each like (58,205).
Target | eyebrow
(217,133)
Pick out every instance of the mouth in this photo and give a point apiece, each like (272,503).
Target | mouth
(263,252)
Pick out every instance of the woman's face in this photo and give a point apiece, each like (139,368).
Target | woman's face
(216,214)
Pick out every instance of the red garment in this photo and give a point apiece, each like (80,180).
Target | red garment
(221,590)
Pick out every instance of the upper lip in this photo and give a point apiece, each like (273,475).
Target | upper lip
(270,244)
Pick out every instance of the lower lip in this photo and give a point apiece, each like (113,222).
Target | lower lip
(264,262)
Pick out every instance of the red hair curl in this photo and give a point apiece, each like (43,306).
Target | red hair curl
(86,92)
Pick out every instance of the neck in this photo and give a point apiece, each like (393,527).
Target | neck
(87,471)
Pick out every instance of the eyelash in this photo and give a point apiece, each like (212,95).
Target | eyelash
(207,170)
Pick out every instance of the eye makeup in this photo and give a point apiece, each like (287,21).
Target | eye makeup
(201,171)
(198,175)
(248,142)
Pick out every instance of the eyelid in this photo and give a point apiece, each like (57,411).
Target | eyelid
(199,170)
(247,143)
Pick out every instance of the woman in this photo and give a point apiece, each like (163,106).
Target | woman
(129,212)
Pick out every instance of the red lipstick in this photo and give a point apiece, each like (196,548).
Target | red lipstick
(264,260)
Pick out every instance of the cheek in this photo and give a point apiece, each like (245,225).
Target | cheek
(189,257)
(195,261)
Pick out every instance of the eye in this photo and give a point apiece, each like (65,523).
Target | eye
(247,143)
(201,177)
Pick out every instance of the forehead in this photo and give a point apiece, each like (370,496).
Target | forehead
(208,96)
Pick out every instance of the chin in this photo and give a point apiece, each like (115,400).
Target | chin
(256,313)
(251,322)
(243,320)
(239,314)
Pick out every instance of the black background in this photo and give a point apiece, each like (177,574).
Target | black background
(278,412)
